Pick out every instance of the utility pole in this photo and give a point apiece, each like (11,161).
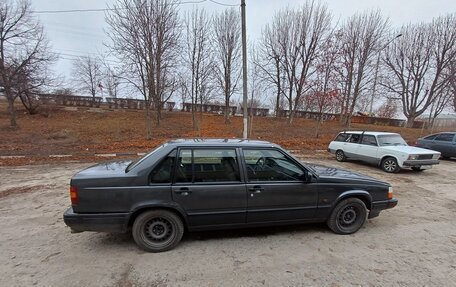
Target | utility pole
(244,70)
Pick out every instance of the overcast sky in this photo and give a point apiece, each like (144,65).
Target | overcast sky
(82,33)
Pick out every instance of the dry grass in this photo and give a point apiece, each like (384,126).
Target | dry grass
(88,132)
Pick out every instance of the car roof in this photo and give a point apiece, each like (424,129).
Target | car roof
(369,133)
(221,142)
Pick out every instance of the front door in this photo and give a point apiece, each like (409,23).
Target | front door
(208,186)
(367,149)
(276,187)
(444,144)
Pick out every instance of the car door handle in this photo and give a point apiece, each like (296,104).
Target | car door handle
(184,191)
(256,189)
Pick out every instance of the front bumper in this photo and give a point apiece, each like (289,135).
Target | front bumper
(378,206)
(103,222)
(410,163)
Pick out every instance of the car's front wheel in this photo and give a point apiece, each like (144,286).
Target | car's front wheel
(157,230)
(390,165)
(340,155)
(348,216)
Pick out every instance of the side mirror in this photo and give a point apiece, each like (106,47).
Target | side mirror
(306,176)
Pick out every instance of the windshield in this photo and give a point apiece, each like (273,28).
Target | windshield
(136,162)
(391,140)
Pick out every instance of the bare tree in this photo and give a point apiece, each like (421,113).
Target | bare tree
(24,56)
(441,101)
(145,37)
(361,38)
(452,79)
(269,59)
(291,43)
(324,92)
(111,80)
(388,109)
(417,64)
(227,42)
(88,74)
(198,60)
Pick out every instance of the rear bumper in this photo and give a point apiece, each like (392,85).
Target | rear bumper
(410,163)
(104,222)
(378,206)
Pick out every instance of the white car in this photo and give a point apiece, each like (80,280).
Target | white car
(387,150)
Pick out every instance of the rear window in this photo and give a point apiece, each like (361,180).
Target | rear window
(341,137)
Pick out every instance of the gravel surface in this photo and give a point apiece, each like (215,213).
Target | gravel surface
(413,244)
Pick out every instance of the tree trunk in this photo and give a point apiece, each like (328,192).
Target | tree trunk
(317,129)
(410,121)
(148,122)
(11,109)
(227,109)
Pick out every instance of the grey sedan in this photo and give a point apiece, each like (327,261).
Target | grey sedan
(444,142)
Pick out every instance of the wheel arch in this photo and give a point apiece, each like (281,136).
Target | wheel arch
(362,195)
(389,155)
(152,206)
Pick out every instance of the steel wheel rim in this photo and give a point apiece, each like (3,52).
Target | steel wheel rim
(339,155)
(158,231)
(390,165)
(348,216)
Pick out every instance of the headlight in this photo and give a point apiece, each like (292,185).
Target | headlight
(413,157)
(390,192)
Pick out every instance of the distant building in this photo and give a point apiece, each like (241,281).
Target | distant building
(442,121)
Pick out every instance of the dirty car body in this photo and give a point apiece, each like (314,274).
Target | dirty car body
(218,184)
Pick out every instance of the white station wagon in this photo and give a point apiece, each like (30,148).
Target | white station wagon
(388,150)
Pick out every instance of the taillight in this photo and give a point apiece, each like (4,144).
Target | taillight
(390,192)
(74,195)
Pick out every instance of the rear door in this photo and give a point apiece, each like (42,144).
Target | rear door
(208,186)
(351,146)
(276,188)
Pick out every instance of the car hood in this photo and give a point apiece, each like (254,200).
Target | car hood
(336,175)
(410,149)
(106,169)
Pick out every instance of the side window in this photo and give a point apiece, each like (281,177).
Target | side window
(270,165)
(212,165)
(430,138)
(369,140)
(354,138)
(207,165)
(341,137)
(162,173)
(184,166)
(445,137)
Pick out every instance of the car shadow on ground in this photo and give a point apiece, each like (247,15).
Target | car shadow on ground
(261,232)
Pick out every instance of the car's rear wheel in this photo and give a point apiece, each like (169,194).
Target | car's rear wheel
(340,155)
(417,168)
(157,230)
(390,165)
(348,216)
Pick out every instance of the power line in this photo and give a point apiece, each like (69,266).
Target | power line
(223,4)
(112,9)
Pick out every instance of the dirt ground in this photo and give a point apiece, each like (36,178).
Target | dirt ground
(411,245)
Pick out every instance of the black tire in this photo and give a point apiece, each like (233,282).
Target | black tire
(340,155)
(390,165)
(348,216)
(157,230)
(417,168)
